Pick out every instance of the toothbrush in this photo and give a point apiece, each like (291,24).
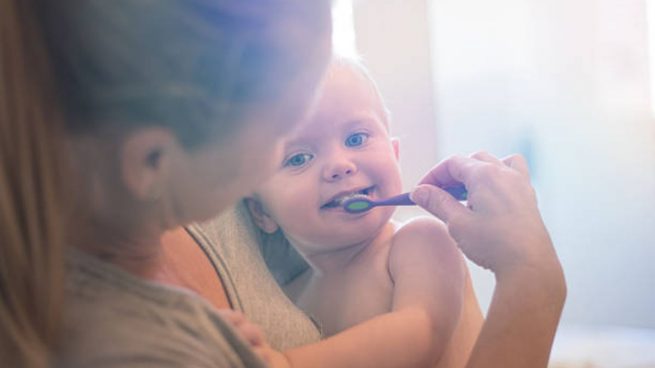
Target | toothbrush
(360,203)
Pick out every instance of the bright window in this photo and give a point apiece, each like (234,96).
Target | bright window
(650,9)
(343,36)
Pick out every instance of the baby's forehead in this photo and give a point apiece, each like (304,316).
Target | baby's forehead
(328,126)
(345,74)
(350,70)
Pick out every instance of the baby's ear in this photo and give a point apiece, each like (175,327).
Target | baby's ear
(259,216)
(395,143)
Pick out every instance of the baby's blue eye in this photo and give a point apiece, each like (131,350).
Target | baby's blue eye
(356,139)
(299,159)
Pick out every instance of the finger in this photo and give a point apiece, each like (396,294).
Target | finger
(486,157)
(438,202)
(450,172)
(518,163)
(264,353)
(252,334)
(233,317)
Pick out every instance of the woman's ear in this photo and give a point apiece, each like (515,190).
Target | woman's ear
(260,217)
(145,158)
(395,143)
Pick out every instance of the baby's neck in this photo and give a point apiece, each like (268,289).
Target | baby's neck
(337,260)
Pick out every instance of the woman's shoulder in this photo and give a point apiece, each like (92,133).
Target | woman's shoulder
(112,318)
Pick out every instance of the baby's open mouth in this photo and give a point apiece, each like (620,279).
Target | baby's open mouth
(338,200)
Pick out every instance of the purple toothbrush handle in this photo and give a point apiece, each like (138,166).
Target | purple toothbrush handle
(399,200)
(459,193)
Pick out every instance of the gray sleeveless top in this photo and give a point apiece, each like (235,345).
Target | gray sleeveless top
(235,248)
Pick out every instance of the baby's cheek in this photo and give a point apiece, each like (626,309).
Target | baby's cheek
(292,214)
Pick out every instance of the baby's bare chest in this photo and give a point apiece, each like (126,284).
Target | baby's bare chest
(351,297)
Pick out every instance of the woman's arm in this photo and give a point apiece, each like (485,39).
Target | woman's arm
(522,319)
(501,229)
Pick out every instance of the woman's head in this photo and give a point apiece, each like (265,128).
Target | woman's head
(167,104)
(196,67)
(175,106)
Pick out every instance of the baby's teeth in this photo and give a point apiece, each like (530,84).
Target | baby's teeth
(339,201)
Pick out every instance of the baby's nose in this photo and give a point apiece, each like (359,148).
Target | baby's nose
(339,170)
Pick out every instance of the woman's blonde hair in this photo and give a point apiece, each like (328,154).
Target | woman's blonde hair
(31,260)
(195,67)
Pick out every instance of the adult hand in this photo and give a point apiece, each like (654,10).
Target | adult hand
(500,228)
(252,334)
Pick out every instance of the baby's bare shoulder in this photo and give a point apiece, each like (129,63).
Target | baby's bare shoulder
(423,240)
(427,228)
(424,256)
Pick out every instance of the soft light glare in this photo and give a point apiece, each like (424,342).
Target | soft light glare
(650,9)
(343,36)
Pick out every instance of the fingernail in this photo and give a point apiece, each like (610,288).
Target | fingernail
(420,195)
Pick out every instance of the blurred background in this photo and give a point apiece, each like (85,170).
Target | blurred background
(570,84)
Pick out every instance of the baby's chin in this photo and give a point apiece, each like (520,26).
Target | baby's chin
(359,228)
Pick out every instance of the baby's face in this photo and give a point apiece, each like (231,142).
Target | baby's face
(343,149)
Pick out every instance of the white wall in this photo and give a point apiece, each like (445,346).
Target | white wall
(393,38)
(563,81)
(567,83)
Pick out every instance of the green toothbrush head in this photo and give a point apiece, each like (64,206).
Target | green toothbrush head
(357,204)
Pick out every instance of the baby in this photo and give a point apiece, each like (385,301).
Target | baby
(384,294)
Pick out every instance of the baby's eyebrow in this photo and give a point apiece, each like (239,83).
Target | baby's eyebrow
(298,138)
(307,138)
(367,114)
(365,117)
(301,142)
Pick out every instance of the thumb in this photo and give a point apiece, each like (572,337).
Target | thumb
(437,201)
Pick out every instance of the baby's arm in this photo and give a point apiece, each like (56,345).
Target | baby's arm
(424,311)
(429,281)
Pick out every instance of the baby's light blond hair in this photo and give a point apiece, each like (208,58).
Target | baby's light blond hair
(356,65)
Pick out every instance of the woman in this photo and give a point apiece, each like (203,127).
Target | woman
(164,105)
(178,93)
